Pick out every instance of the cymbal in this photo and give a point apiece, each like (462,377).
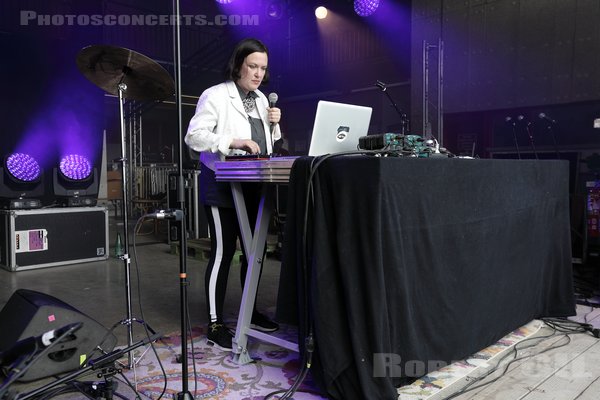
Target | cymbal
(108,66)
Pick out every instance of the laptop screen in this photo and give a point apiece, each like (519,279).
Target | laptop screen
(337,127)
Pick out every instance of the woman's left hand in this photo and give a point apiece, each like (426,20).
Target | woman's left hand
(274,114)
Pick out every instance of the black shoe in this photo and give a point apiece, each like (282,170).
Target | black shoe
(262,323)
(219,336)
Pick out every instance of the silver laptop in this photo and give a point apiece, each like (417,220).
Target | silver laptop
(338,127)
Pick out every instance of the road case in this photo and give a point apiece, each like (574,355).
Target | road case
(53,236)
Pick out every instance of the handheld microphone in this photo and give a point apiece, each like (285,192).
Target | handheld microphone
(34,343)
(273,99)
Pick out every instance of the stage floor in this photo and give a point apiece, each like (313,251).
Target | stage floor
(97,289)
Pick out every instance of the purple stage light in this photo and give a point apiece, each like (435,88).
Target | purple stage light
(224,1)
(75,167)
(23,167)
(364,8)
(275,9)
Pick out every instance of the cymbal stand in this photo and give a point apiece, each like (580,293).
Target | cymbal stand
(125,256)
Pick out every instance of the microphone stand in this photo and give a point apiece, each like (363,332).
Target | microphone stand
(404,122)
(514,132)
(529,134)
(183,282)
(554,141)
(528,130)
(551,124)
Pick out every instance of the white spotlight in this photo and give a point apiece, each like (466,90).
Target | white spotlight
(321,12)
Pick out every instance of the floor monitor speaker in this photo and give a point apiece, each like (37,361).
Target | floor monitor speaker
(30,314)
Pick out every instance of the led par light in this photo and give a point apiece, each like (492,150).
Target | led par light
(75,182)
(22,182)
(364,8)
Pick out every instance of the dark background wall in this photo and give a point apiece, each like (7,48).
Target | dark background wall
(505,58)
(502,58)
(338,59)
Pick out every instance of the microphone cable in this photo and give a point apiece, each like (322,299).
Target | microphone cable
(170,214)
(174,215)
(560,327)
(139,296)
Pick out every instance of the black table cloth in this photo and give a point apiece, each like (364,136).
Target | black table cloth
(415,263)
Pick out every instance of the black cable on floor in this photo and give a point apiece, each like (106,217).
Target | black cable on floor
(569,326)
(558,325)
(469,386)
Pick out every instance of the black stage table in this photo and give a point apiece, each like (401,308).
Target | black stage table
(425,261)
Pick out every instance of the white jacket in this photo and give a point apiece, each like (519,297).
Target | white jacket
(220,118)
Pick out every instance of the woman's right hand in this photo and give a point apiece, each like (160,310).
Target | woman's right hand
(247,145)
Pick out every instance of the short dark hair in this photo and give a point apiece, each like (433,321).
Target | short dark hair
(241,51)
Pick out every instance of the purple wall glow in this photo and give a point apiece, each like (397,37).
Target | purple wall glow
(67,123)
(247,18)
(393,21)
(50,102)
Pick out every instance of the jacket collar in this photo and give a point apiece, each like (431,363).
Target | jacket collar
(234,97)
(243,95)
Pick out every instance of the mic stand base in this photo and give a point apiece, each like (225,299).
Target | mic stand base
(183,396)
(105,363)
(100,390)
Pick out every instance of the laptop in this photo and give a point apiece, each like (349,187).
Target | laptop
(337,127)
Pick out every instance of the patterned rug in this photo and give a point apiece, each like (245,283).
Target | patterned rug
(218,377)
